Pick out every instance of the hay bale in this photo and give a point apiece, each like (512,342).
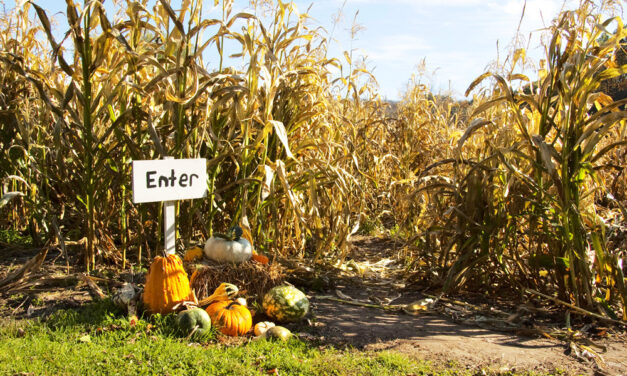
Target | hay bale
(252,278)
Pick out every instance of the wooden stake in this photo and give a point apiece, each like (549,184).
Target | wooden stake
(169,225)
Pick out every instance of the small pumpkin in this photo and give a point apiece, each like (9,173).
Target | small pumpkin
(166,285)
(230,247)
(232,318)
(194,319)
(262,327)
(193,254)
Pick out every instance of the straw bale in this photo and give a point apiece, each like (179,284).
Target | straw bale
(252,278)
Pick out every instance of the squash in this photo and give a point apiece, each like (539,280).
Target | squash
(278,332)
(285,303)
(166,285)
(193,254)
(260,258)
(262,327)
(230,317)
(229,248)
(247,234)
(226,291)
(193,277)
(194,319)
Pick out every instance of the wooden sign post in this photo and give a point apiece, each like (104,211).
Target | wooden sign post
(169,180)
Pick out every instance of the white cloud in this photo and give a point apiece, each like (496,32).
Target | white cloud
(458,38)
(397,48)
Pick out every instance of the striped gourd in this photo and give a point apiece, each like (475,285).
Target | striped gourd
(285,303)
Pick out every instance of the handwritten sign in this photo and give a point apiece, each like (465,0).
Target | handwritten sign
(169,179)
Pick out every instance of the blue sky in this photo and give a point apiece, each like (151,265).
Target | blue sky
(456,39)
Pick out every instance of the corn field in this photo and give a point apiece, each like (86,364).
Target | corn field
(523,186)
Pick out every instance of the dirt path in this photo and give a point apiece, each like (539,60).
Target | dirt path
(435,335)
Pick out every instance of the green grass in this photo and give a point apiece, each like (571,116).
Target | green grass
(14,237)
(98,340)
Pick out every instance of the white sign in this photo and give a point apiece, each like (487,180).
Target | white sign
(169,179)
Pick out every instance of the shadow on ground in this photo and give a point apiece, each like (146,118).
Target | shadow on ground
(434,336)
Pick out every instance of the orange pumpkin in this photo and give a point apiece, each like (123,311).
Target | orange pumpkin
(166,285)
(232,318)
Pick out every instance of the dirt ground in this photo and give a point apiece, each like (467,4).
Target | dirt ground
(451,334)
(435,337)
(359,304)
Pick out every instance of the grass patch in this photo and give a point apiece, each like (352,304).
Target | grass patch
(14,237)
(98,340)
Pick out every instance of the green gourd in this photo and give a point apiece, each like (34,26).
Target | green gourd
(194,318)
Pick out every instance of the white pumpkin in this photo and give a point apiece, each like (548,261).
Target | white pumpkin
(262,327)
(224,250)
